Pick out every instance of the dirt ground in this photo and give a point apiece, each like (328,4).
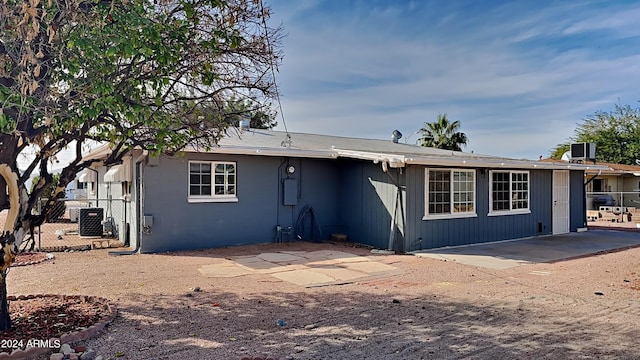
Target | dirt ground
(586,308)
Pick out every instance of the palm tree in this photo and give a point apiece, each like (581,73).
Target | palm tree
(443,134)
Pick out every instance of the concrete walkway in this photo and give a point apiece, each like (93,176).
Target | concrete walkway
(303,268)
(506,254)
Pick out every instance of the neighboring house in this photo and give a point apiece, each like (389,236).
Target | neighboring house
(619,182)
(76,190)
(109,189)
(262,186)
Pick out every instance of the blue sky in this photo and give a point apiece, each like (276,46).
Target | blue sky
(518,75)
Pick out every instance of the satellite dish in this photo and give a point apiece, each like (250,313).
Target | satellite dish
(566,156)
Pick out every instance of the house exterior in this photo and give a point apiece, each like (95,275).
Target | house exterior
(111,190)
(76,190)
(262,186)
(619,182)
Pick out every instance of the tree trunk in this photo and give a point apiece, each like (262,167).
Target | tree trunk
(7,240)
(5,318)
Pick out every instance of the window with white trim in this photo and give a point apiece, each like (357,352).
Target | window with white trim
(450,193)
(211,181)
(508,192)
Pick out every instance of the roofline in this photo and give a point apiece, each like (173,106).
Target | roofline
(285,151)
(391,160)
(401,161)
(611,172)
(501,163)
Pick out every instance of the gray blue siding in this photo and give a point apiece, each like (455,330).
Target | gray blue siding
(366,199)
(577,201)
(354,197)
(178,224)
(483,228)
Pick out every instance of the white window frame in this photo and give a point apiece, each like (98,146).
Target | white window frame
(452,214)
(213,197)
(511,210)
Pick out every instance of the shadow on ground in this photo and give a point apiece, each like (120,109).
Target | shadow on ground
(353,325)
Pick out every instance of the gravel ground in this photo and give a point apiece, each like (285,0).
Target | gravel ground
(587,308)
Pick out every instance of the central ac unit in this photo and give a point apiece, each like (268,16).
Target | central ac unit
(90,221)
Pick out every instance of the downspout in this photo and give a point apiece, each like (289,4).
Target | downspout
(139,188)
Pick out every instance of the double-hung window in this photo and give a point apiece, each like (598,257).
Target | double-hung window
(450,193)
(508,192)
(212,181)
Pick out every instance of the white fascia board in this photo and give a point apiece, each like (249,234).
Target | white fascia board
(497,163)
(286,152)
(394,160)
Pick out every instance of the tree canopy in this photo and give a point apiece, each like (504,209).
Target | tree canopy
(135,73)
(443,134)
(616,135)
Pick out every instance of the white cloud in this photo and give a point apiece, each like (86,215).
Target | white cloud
(624,21)
(510,75)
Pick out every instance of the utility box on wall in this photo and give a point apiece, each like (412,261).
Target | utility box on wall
(289,192)
(147,220)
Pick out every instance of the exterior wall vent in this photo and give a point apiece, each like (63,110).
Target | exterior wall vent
(581,152)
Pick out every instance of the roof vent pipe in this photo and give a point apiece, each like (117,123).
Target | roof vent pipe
(395,136)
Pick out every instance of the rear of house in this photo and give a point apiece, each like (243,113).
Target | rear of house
(266,186)
(447,206)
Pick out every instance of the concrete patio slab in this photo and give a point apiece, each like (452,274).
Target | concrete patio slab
(299,253)
(314,255)
(279,257)
(340,273)
(506,254)
(283,268)
(479,260)
(333,255)
(255,263)
(368,267)
(223,270)
(304,277)
(302,268)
